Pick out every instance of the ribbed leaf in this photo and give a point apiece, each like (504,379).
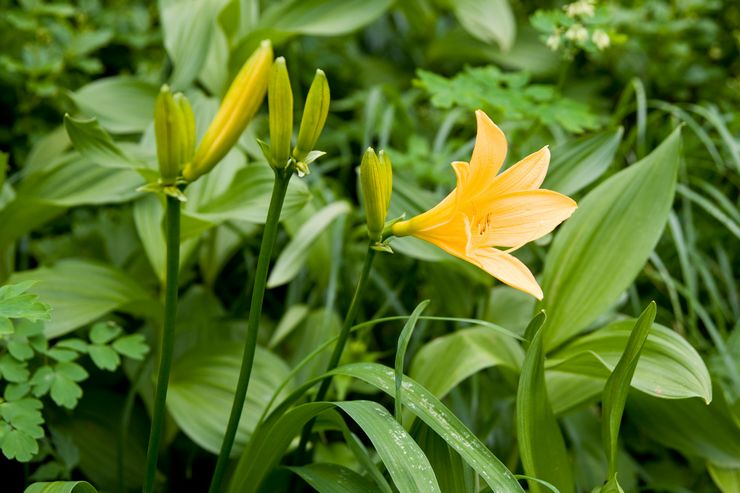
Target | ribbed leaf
(604,245)
(541,443)
(333,478)
(61,487)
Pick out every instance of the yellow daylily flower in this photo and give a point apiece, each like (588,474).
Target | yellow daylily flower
(488,210)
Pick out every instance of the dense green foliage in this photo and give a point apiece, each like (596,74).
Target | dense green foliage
(594,386)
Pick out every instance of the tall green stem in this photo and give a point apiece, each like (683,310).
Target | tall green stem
(168,340)
(282,178)
(341,342)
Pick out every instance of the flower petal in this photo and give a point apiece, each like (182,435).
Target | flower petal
(527,174)
(514,219)
(489,151)
(452,236)
(509,270)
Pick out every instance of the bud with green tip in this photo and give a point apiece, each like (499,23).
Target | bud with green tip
(312,122)
(280,103)
(241,102)
(376,179)
(174,129)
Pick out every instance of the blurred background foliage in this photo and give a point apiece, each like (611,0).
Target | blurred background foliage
(602,84)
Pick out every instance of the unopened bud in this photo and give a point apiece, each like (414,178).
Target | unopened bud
(376,179)
(241,102)
(280,102)
(314,116)
(174,129)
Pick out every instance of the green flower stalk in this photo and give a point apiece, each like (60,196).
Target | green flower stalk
(280,104)
(241,102)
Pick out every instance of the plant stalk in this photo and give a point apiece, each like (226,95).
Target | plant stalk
(282,178)
(341,342)
(168,339)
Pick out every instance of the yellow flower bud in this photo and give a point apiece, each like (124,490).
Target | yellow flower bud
(174,129)
(376,179)
(241,102)
(314,116)
(280,103)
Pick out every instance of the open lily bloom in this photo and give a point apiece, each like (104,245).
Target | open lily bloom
(488,211)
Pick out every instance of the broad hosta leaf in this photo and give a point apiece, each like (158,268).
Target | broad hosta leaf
(406,463)
(122,104)
(248,197)
(689,426)
(201,392)
(541,443)
(61,487)
(93,142)
(669,367)
(188,27)
(618,385)
(295,253)
(80,291)
(604,245)
(333,478)
(322,17)
(431,411)
(487,20)
(578,163)
(727,479)
(465,352)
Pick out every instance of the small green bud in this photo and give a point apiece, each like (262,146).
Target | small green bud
(314,117)
(174,129)
(280,103)
(376,179)
(241,102)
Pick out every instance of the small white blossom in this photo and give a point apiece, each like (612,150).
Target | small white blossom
(577,32)
(600,39)
(553,42)
(584,8)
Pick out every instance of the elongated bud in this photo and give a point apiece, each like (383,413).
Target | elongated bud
(314,116)
(241,102)
(280,102)
(174,129)
(376,178)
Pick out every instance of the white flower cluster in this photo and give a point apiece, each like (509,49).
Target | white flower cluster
(582,8)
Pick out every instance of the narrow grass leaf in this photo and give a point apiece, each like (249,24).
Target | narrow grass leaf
(618,385)
(541,443)
(403,344)
(333,478)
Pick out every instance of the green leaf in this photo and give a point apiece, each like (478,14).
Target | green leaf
(487,20)
(465,352)
(295,253)
(405,461)
(13,370)
(689,426)
(727,479)
(188,28)
(431,411)
(322,17)
(16,444)
(403,344)
(669,367)
(20,428)
(121,104)
(61,487)
(333,478)
(132,346)
(104,332)
(16,302)
(453,475)
(104,357)
(96,144)
(65,391)
(578,163)
(604,245)
(541,443)
(248,197)
(98,290)
(618,385)
(201,392)
(20,350)
(611,486)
